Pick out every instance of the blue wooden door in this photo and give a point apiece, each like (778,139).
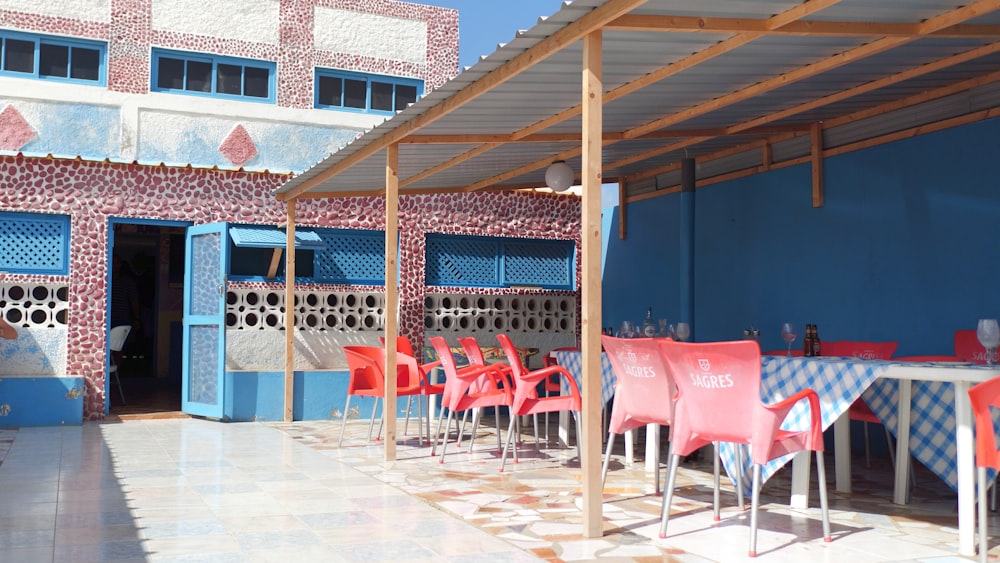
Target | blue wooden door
(207,254)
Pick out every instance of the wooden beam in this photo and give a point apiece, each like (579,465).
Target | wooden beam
(496,140)
(391,296)
(622,209)
(595,19)
(590,326)
(697,24)
(765,157)
(289,399)
(272,268)
(817,164)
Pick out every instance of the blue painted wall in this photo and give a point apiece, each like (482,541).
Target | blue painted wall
(906,247)
(40,401)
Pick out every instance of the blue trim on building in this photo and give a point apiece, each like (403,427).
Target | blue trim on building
(41,401)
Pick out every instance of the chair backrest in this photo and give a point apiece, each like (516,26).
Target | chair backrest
(718,391)
(860,349)
(367,364)
(645,390)
(472,350)
(454,386)
(116,340)
(983,396)
(517,369)
(968,348)
(403,345)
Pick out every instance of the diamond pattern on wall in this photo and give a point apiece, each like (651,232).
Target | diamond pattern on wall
(14,130)
(238,147)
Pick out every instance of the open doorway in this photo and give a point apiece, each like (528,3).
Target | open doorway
(150,271)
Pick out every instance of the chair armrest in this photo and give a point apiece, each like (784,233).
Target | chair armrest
(780,410)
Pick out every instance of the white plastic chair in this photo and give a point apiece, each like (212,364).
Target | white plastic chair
(116,341)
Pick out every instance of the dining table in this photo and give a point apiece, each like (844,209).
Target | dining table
(924,404)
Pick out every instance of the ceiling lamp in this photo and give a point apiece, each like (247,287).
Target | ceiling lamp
(559,176)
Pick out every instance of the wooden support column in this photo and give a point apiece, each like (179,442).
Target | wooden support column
(290,310)
(590,325)
(391,295)
(766,157)
(817,164)
(622,210)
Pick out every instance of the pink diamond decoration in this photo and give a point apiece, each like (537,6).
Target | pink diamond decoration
(238,146)
(14,130)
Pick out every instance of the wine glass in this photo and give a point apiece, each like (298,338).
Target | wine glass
(789,335)
(627,330)
(988,333)
(683,331)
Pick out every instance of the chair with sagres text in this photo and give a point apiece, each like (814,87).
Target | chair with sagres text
(859,410)
(644,392)
(984,397)
(718,400)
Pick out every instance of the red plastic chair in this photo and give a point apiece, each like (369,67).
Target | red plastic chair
(983,396)
(644,393)
(860,410)
(366,367)
(718,400)
(403,346)
(968,348)
(475,355)
(526,399)
(467,388)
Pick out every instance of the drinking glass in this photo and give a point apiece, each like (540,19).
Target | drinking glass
(683,331)
(789,335)
(988,333)
(627,330)
(663,329)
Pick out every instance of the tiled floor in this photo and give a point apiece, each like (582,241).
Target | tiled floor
(196,490)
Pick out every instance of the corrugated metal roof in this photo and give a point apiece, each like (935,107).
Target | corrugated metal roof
(698,79)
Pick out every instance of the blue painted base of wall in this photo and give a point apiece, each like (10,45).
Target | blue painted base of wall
(319,395)
(41,401)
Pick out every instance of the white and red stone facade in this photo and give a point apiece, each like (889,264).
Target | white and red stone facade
(132,154)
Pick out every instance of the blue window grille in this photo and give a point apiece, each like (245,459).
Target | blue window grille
(33,243)
(467,261)
(215,76)
(353,257)
(44,57)
(366,93)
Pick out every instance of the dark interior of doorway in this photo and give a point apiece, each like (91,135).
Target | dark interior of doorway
(149,364)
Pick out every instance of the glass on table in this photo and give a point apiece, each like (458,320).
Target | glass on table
(988,333)
(789,335)
(627,330)
(683,331)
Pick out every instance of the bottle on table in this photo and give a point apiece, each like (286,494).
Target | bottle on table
(807,342)
(648,325)
(817,347)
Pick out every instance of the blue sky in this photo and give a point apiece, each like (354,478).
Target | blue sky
(482,24)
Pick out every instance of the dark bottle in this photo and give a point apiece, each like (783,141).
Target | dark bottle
(816,345)
(807,342)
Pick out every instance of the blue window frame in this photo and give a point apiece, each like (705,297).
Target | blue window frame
(34,243)
(469,261)
(213,75)
(46,57)
(367,93)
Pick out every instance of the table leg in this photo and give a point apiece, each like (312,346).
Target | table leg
(630,447)
(652,446)
(842,452)
(903,442)
(965,466)
(801,466)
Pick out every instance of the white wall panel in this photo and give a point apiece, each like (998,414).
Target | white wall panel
(90,10)
(371,35)
(255,20)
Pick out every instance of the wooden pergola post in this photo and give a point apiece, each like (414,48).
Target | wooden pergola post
(590,326)
(391,295)
(290,310)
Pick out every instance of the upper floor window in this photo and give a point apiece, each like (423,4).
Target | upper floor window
(370,93)
(47,57)
(213,75)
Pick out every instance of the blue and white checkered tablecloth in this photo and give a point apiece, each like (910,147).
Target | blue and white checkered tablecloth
(573,362)
(932,421)
(837,381)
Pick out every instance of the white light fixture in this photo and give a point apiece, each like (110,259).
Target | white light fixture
(559,176)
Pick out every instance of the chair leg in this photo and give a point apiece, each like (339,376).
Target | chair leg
(506,447)
(579,437)
(444,446)
(823,502)
(343,424)
(406,423)
(607,459)
(668,494)
(981,486)
(716,461)
(739,477)
(754,502)
(372,423)
(121,392)
(437,434)
(868,449)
